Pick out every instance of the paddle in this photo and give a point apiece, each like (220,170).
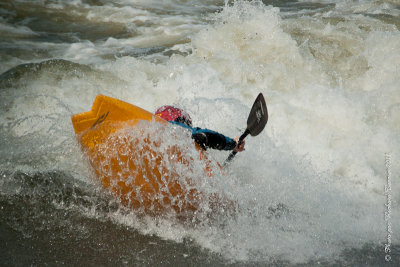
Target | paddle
(256,122)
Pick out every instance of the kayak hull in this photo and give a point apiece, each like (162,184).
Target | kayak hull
(136,167)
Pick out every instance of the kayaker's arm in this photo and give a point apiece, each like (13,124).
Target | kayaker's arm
(211,139)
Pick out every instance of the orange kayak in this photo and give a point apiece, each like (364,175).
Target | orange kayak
(144,172)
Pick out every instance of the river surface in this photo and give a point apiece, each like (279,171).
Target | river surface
(318,187)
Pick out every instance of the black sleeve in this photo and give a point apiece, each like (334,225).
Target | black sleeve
(211,139)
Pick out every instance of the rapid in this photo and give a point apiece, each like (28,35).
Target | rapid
(319,186)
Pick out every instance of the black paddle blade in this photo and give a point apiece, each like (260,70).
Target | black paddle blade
(258,116)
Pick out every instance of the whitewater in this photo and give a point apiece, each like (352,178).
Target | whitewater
(320,186)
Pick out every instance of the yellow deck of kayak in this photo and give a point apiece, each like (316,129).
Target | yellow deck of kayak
(137,175)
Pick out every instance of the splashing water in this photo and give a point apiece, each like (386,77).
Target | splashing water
(308,189)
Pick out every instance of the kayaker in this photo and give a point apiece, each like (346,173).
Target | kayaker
(205,138)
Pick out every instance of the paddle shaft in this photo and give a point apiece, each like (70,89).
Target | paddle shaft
(256,122)
(241,138)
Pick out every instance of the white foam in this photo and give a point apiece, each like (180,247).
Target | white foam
(15,31)
(332,94)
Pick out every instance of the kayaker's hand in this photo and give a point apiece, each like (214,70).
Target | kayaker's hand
(239,148)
